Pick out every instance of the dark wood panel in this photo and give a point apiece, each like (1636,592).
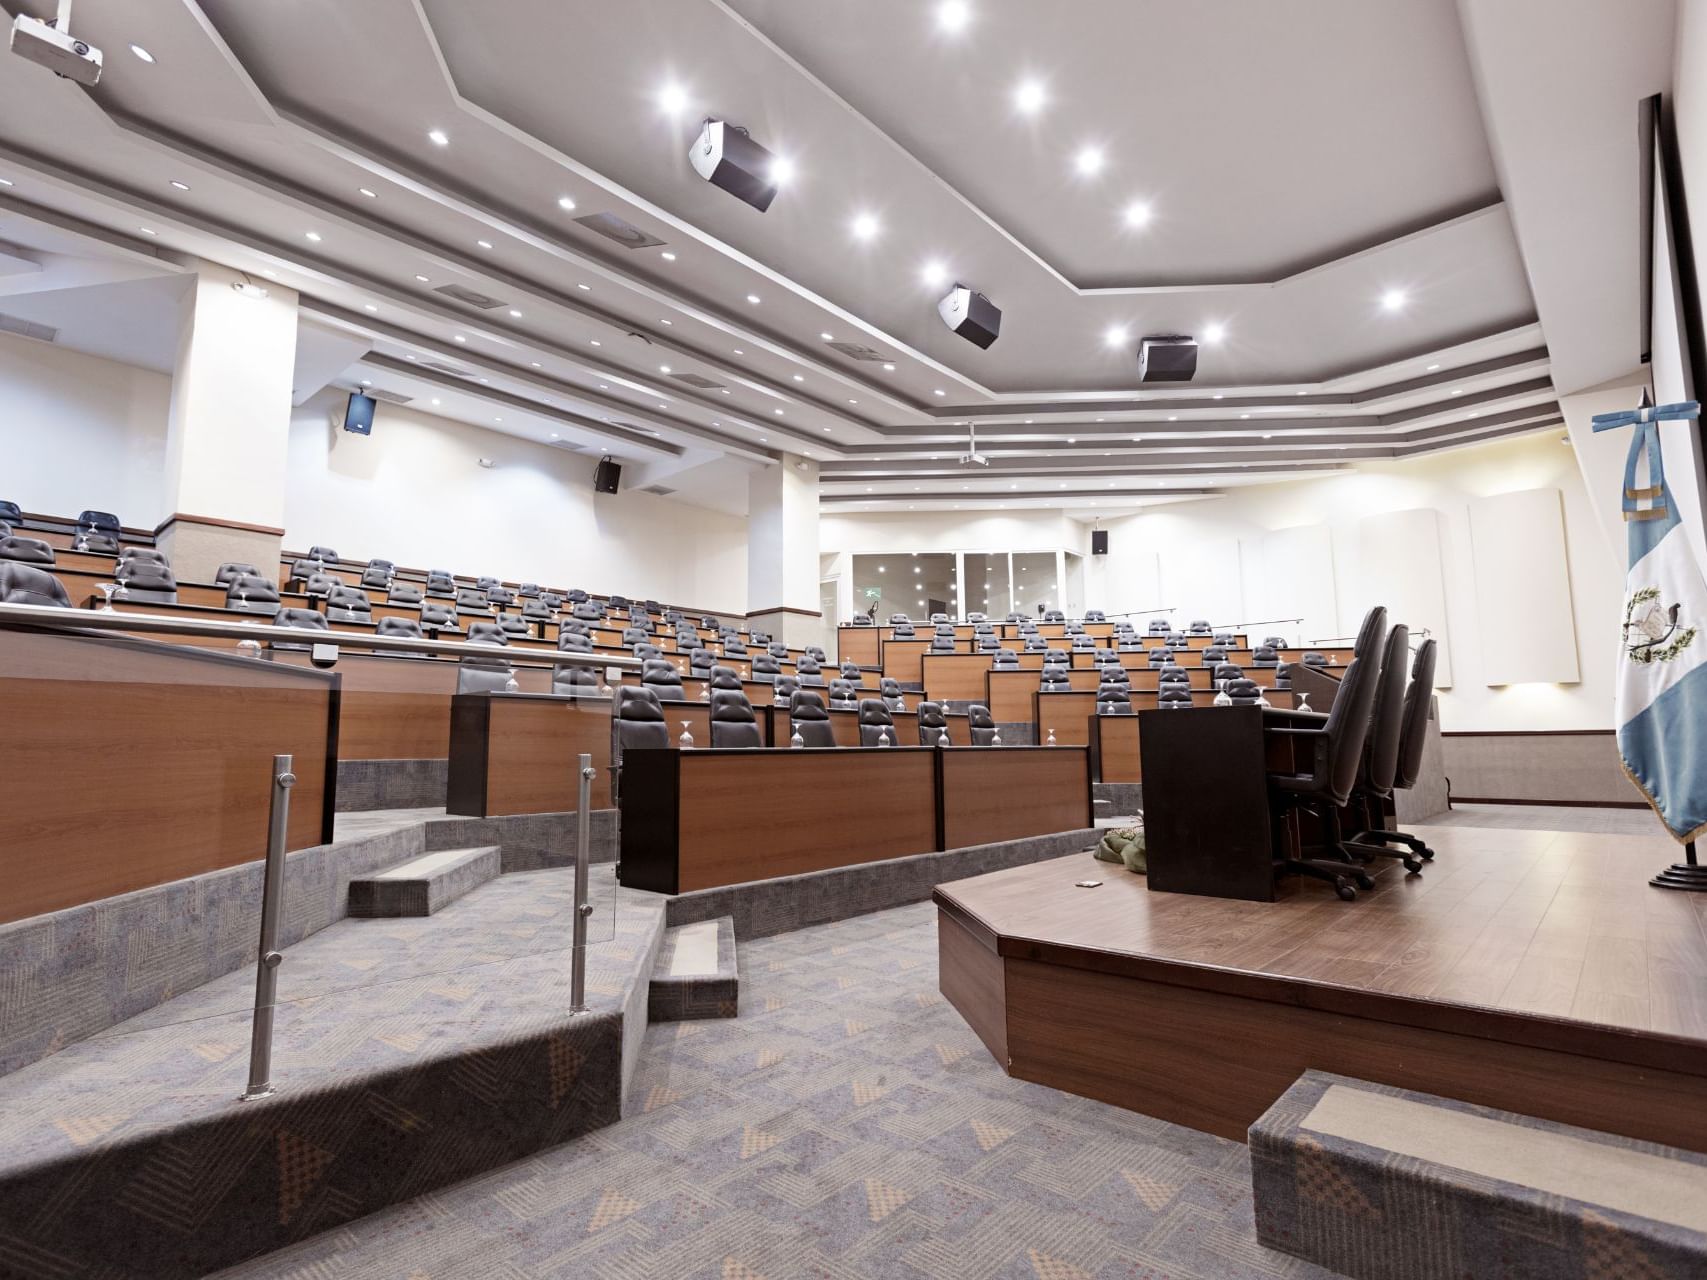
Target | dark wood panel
(518,753)
(1206,811)
(1117,753)
(972,980)
(991,794)
(135,763)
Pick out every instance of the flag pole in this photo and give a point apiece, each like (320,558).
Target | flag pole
(1688,874)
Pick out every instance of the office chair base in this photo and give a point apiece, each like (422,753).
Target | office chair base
(1359,847)
(1341,880)
(1381,834)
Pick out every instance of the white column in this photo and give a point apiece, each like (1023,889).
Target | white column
(228,427)
(782,553)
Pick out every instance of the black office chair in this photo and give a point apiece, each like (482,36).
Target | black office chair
(25,584)
(105,521)
(933,725)
(844,695)
(1214,655)
(942,644)
(1200,626)
(143,580)
(300,619)
(438,617)
(251,593)
(807,670)
(1225,673)
(482,674)
(982,726)
(11,513)
(440,585)
(1265,656)
(1114,673)
(700,663)
(1243,693)
(783,688)
(890,690)
(536,610)
(759,639)
(765,668)
(1036,644)
(851,671)
(640,720)
(378,574)
(96,542)
(732,721)
(1413,737)
(1161,656)
(1379,764)
(1114,700)
(1158,627)
(724,678)
(902,631)
(1005,660)
(578,596)
(663,679)
(1095,615)
(574,642)
(25,550)
(1054,680)
(1173,697)
(348,604)
(1324,781)
(513,625)
(809,720)
(876,725)
(403,593)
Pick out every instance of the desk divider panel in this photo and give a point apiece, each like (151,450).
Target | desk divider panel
(520,753)
(902,660)
(1114,749)
(1008,793)
(955,677)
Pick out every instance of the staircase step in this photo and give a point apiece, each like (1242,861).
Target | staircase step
(696,974)
(422,885)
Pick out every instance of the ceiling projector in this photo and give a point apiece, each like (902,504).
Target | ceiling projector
(972,455)
(50,44)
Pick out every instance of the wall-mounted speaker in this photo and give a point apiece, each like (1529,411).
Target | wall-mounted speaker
(358,414)
(1099,542)
(606,475)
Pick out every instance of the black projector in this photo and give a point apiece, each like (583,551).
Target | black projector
(971,315)
(726,156)
(1172,358)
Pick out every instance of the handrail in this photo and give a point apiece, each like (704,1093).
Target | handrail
(58,619)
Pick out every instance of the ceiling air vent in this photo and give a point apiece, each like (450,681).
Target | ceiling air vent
(854,351)
(698,380)
(473,297)
(28,329)
(449,369)
(659,490)
(568,446)
(390,397)
(624,233)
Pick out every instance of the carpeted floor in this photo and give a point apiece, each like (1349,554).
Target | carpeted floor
(847,1125)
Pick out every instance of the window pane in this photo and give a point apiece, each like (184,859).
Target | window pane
(917,585)
(987,584)
(1035,588)
(1075,593)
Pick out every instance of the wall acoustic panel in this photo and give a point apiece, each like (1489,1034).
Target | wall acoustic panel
(1201,579)
(1289,573)
(1399,566)
(1523,589)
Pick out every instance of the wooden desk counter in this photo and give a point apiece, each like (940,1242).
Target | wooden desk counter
(811,810)
(1114,747)
(519,753)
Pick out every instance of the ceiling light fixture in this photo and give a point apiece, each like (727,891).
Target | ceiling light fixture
(1137,214)
(667,256)
(888,368)
(566,204)
(182,186)
(865,226)
(459,338)
(514,314)
(782,171)
(142,53)
(585,288)
(1393,300)
(663,368)
(933,274)
(672,99)
(370,307)
(1029,97)
(371,195)
(422,279)
(1089,161)
(1114,336)
(438,137)
(1214,332)
(148,231)
(484,244)
(1431,368)
(953,16)
(313,236)
(799,378)
(753,298)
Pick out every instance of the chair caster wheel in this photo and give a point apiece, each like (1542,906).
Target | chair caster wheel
(1413,865)
(1427,853)
(1363,880)
(1345,891)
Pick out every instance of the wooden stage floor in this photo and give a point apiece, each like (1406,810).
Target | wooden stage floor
(1534,970)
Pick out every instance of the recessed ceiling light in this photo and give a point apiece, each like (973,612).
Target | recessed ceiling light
(778,412)
(1431,368)
(1474,413)
(934,274)
(370,307)
(422,279)
(672,99)
(495,419)
(595,342)
(1456,391)
(367,382)
(827,430)
(853,401)
(410,357)
(438,137)
(782,171)
(1267,436)
(585,287)
(269,273)
(565,203)
(1137,214)
(953,16)
(1089,161)
(6,182)
(663,368)
(484,244)
(888,368)
(1115,335)
(939,392)
(436,400)
(148,231)
(799,378)
(514,314)
(1244,415)
(753,298)
(667,322)
(142,53)
(313,236)
(534,363)
(764,439)
(738,351)
(554,435)
(459,338)
(182,186)
(371,195)
(1214,332)
(1173,417)
(1393,300)
(667,256)
(825,337)
(1029,97)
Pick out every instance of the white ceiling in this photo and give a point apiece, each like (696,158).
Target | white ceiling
(1299,162)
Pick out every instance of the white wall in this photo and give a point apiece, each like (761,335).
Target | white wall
(82,433)
(1446,483)
(414,492)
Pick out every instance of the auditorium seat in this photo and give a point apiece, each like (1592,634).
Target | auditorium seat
(324,554)
(145,581)
(485,675)
(784,689)
(1178,640)
(1132,645)
(723,678)
(889,690)
(1103,657)
(1054,680)
(536,610)
(574,642)
(700,662)
(1113,700)
(1243,693)
(301,620)
(10,513)
(1054,615)
(863,620)
(378,574)
(484,584)
(1158,626)
(663,679)
(321,585)
(640,719)
(902,631)
(876,725)
(1114,673)
(438,617)
(1005,660)
(645,651)
(1225,671)
(1173,697)
(399,627)
(552,601)
(1073,629)
(528,590)
(575,682)
(578,596)
(1314,659)
(1057,658)
(1084,644)
(933,725)
(816,653)
(1016,616)
(22,583)
(765,668)
(941,644)
(586,611)
(348,604)
(735,649)
(939,618)
(850,671)
(473,600)
(1036,644)
(732,720)
(1200,626)
(25,550)
(981,725)
(977,617)
(634,635)
(500,596)
(96,542)
(105,521)
(759,639)
(232,570)
(1095,615)
(513,624)
(1265,656)
(844,695)
(810,720)
(440,584)
(1276,642)
(896,619)
(987,644)
(251,593)
(1173,677)
(807,670)
(1213,654)
(1226,639)
(1379,764)
(1161,657)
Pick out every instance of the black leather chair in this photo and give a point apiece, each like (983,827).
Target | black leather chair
(809,720)
(765,668)
(783,688)
(1173,697)
(403,593)
(759,639)
(586,611)
(25,550)
(575,682)
(808,671)
(528,590)
(896,619)
(1379,769)
(324,554)
(1214,655)
(407,627)
(485,675)
(96,542)
(102,520)
(1314,659)
(536,610)
(1331,749)
(1158,627)
(22,583)
(941,644)
(485,583)
(889,689)
(1173,677)
(378,574)
(1005,660)
(438,617)
(512,624)
(1095,615)
(1265,656)
(850,671)
(321,585)
(1036,644)
(724,678)
(663,679)
(1243,693)
(11,514)
(1419,697)
(902,631)
(1276,642)
(473,600)
(1200,627)
(251,593)
(441,585)
(348,604)
(777,649)
(143,580)
(982,725)
(876,725)
(640,719)
(700,663)
(1225,672)
(1054,680)
(1054,615)
(732,721)
(574,642)
(1114,700)
(301,620)
(232,570)
(501,596)
(578,596)
(844,695)
(1226,639)
(575,626)
(1114,673)
(1161,656)
(933,725)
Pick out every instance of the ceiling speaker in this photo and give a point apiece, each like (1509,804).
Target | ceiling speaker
(1099,542)
(606,475)
(971,315)
(726,156)
(1170,358)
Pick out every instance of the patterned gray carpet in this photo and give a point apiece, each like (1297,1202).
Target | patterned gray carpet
(847,1125)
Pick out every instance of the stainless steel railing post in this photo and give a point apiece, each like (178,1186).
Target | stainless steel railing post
(583,908)
(267,962)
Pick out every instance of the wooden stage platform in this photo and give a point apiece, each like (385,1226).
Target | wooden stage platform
(1533,971)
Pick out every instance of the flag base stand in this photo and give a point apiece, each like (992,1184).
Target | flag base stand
(1688,874)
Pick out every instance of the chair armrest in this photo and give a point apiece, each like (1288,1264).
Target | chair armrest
(1292,733)
(1287,716)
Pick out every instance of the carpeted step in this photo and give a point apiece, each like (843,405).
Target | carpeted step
(696,974)
(422,885)
(1379,1183)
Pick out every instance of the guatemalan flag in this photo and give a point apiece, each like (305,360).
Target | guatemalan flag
(1662,659)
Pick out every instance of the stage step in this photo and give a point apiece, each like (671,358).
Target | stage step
(696,975)
(425,884)
(1379,1183)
